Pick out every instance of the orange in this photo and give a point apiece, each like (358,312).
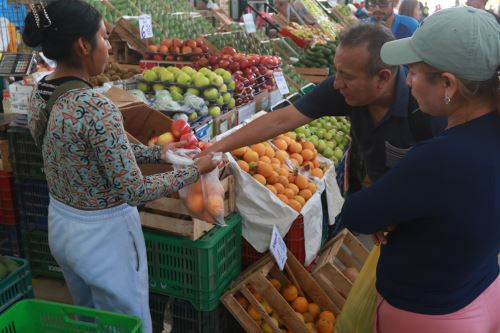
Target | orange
(291,178)
(254,313)
(289,193)
(239,152)
(328,315)
(306,194)
(311,187)
(317,172)
(251,156)
(243,301)
(316,163)
(297,157)
(215,205)
(274,160)
(273,179)
(283,198)
(296,206)
(308,155)
(283,181)
(290,292)
(270,152)
(301,182)
(276,283)
(300,199)
(314,310)
(281,155)
(324,325)
(272,189)
(261,179)
(256,294)
(294,188)
(295,147)
(194,202)
(265,159)
(283,171)
(280,144)
(243,165)
(287,139)
(259,148)
(196,187)
(307,145)
(300,304)
(265,169)
(280,188)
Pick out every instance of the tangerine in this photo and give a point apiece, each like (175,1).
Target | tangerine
(301,182)
(194,202)
(280,188)
(259,148)
(300,304)
(274,160)
(300,199)
(316,163)
(280,144)
(296,206)
(294,188)
(290,293)
(270,152)
(273,179)
(281,155)
(283,198)
(265,169)
(295,147)
(283,181)
(328,315)
(243,165)
(272,189)
(276,283)
(243,301)
(215,205)
(323,325)
(306,194)
(289,193)
(239,152)
(261,179)
(307,145)
(297,157)
(317,172)
(311,187)
(283,171)
(251,156)
(308,154)
(308,317)
(254,313)
(314,310)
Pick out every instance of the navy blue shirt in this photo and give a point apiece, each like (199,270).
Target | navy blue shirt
(403,26)
(444,198)
(380,146)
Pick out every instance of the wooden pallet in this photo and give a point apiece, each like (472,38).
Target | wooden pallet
(256,278)
(311,74)
(343,251)
(170,215)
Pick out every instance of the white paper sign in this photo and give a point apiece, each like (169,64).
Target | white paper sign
(249,23)
(278,248)
(145,26)
(281,82)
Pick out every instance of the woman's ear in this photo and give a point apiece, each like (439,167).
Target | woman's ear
(450,84)
(83,47)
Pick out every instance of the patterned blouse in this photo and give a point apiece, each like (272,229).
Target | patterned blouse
(89,162)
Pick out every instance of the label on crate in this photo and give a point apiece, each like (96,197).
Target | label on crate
(281,83)
(249,23)
(278,248)
(145,26)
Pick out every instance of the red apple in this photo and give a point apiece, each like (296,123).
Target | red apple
(180,127)
(177,42)
(244,63)
(190,139)
(229,50)
(158,57)
(247,72)
(224,64)
(197,49)
(187,50)
(213,59)
(191,43)
(166,42)
(234,66)
(203,48)
(175,50)
(239,86)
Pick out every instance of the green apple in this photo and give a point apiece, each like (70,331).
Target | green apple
(338,153)
(223,88)
(149,75)
(226,76)
(301,136)
(227,97)
(201,81)
(158,86)
(231,85)
(331,145)
(176,96)
(321,146)
(328,152)
(205,71)
(183,79)
(166,76)
(216,80)
(176,89)
(232,103)
(214,111)
(193,116)
(211,93)
(220,100)
(220,71)
(328,136)
(158,69)
(144,87)
(188,70)
(193,91)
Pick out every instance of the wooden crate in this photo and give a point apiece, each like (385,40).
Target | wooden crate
(5,164)
(343,251)
(256,278)
(128,47)
(311,74)
(170,215)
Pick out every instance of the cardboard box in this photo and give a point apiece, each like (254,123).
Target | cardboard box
(225,122)
(246,111)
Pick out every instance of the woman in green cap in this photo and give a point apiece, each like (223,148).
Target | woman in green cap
(438,269)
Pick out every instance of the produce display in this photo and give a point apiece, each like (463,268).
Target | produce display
(329,135)
(343,15)
(180,132)
(240,41)
(252,73)
(294,78)
(283,166)
(316,319)
(319,55)
(309,32)
(177,50)
(113,72)
(7,266)
(181,25)
(188,90)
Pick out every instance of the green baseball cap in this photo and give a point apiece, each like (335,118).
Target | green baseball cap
(464,41)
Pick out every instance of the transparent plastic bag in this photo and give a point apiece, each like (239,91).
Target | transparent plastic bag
(358,313)
(205,198)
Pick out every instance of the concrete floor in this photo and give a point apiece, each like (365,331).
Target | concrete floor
(51,290)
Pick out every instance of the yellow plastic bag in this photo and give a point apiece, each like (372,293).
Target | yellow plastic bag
(357,315)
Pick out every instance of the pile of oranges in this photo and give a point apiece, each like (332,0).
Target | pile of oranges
(317,321)
(276,166)
(208,207)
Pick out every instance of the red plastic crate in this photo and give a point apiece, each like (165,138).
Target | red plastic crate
(8,213)
(294,241)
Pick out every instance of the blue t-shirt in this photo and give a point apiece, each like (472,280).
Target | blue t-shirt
(444,198)
(403,26)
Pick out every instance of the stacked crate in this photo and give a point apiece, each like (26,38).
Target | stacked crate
(10,232)
(32,201)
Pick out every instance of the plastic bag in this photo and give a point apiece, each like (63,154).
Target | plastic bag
(196,103)
(205,198)
(358,313)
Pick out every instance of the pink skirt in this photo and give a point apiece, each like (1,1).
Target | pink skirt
(480,316)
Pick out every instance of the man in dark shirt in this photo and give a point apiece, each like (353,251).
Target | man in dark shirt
(385,120)
(382,11)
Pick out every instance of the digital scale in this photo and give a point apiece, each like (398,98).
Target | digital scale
(16,64)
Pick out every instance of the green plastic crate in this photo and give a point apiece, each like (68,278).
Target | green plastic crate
(196,271)
(17,285)
(35,316)
(37,251)
(26,157)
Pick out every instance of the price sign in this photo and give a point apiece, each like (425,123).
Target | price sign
(278,248)
(145,26)
(249,23)
(281,82)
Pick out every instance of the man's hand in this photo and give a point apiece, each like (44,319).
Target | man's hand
(379,237)
(170,146)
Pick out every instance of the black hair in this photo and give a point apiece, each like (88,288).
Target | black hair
(408,7)
(56,27)
(373,35)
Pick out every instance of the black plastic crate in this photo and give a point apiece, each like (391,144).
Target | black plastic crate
(11,240)
(33,203)
(26,157)
(186,319)
(37,251)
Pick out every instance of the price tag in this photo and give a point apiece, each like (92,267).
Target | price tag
(145,26)
(249,23)
(278,248)
(281,83)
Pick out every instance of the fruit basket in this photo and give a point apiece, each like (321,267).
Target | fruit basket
(47,317)
(195,271)
(16,285)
